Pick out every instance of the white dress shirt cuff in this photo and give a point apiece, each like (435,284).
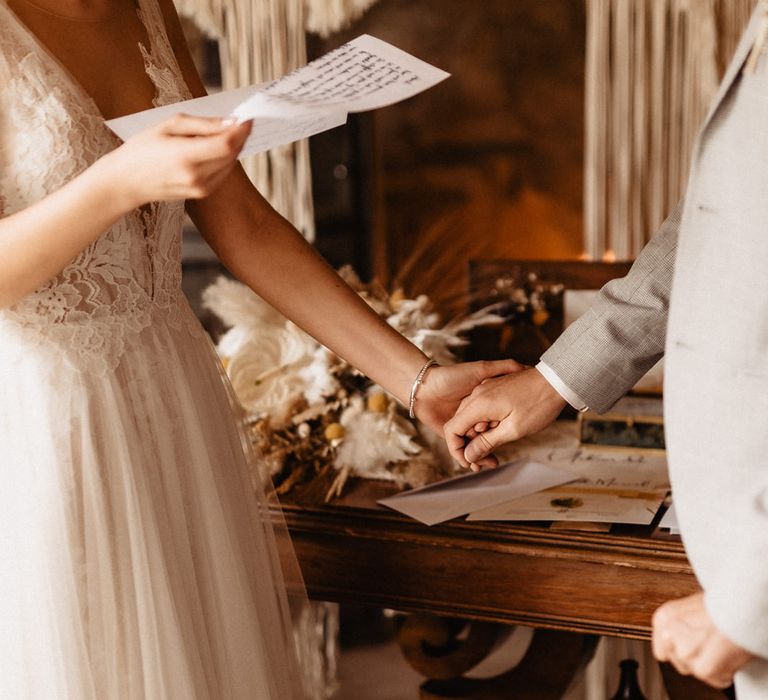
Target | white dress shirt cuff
(561,387)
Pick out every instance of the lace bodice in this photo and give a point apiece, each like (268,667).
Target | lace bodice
(52,131)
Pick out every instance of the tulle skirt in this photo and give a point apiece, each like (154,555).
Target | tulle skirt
(138,559)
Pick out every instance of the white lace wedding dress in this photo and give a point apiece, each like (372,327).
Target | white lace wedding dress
(136,562)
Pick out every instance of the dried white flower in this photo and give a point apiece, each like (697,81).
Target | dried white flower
(437,344)
(265,367)
(518,296)
(319,381)
(373,441)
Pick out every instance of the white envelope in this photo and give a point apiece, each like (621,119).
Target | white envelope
(452,498)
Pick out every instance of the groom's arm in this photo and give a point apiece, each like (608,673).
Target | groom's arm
(592,364)
(604,353)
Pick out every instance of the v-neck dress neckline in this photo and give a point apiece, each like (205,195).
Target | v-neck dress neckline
(74,85)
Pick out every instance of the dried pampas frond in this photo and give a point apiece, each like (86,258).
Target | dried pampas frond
(237,305)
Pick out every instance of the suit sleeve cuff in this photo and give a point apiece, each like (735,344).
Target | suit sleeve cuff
(561,387)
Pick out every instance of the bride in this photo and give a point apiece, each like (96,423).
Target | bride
(135,560)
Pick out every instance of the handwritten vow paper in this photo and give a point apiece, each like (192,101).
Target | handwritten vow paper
(362,75)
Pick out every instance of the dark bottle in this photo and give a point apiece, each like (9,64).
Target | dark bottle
(629,689)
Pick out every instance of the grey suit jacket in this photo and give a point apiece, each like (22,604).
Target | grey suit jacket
(698,293)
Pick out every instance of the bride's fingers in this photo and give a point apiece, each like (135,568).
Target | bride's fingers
(480,427)
(190,125)
(457,428)
(493,424)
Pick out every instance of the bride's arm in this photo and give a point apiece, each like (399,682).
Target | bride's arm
(265,252)
(37,242)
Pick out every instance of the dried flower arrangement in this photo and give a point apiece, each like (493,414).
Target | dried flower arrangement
(527,308)
(311,413)
(529,301)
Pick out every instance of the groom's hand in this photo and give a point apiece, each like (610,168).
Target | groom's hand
(518,404)
(685,636)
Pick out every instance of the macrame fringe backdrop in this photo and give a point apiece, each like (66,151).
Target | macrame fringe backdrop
(327,16)
(260,40)
(652,69)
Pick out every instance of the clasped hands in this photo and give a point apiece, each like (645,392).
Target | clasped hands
(481,406)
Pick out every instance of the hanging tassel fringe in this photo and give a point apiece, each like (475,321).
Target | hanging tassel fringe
(327,16)
(652,69)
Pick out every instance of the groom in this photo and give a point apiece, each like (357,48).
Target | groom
(698,293)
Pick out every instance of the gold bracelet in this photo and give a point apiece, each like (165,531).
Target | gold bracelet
(416,384)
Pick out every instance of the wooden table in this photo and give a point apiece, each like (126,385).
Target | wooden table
(595,583)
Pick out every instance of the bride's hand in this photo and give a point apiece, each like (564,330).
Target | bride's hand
(185,157)
(444,388)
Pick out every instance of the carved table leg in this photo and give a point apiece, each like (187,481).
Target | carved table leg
(445,649)
(681,687)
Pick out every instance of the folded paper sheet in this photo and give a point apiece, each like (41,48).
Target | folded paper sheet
(608,486)
(582,501)
(452,498)
(362,75)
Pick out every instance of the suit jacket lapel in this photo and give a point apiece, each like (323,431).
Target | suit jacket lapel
(739,58)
